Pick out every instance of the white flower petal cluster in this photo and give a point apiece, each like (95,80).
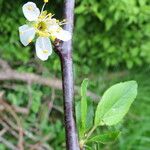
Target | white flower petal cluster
(44,26)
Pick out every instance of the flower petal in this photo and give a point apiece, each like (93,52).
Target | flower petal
(26,34)
(31,12)
(63,35)
(43,48)
(53,28)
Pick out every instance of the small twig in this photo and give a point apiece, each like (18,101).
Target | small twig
(15,127)
(21,140)
(58,108)
(8,144)
(16,109)
(5,125)
(29,95)
(47,147)
(51,103)
(3,131)
(8,108)
(10,75)
(21,110)
(12,129)
(4,65)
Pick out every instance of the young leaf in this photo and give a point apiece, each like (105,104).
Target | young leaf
(105,138)
(115,103)
(78,113)
(84,103)
(84,87)
(90,116)
(78,118)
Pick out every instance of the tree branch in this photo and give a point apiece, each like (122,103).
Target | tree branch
(64,50)
(8,74)
(37,79)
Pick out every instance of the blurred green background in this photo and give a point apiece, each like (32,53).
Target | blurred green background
(111,44)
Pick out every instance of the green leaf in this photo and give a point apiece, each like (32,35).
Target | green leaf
(115,103)
(84,87)
(90,115)
(78,116)
(105,138)
(36,103)
(78,112)
(80,9)
(84,103)
(109,24)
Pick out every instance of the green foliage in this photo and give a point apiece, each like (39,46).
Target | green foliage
(115,103)
(83,105)
(104,138)
(135,129)
(131,137)
(2,146)
(11,47)
(36,103)
(115,33)
(111,109)
(107,32)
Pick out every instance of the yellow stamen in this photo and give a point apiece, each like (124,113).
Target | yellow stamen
(57,21)
(30,40)
(44,34)
(45,51)
(45,1)
(53,38)
(43,15)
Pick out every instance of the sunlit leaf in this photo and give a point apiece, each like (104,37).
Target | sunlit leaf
(115,103)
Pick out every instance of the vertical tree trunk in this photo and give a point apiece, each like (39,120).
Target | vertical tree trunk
(64,50)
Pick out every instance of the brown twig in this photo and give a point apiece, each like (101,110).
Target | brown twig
(8,144)
(4,65)
(9,109)
(10,75)
(9,129)
(3,131)
(13,128)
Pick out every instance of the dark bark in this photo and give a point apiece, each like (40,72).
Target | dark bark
(68,89)
(64,50)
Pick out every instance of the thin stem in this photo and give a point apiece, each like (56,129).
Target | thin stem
(90,132)
(43,7)
(82,142)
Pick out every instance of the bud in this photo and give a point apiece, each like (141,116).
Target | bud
(45,1)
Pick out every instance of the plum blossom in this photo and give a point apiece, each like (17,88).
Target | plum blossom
(42,25)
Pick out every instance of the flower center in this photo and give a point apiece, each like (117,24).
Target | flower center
(41,26)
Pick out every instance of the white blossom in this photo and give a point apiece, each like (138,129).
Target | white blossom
(44,26)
